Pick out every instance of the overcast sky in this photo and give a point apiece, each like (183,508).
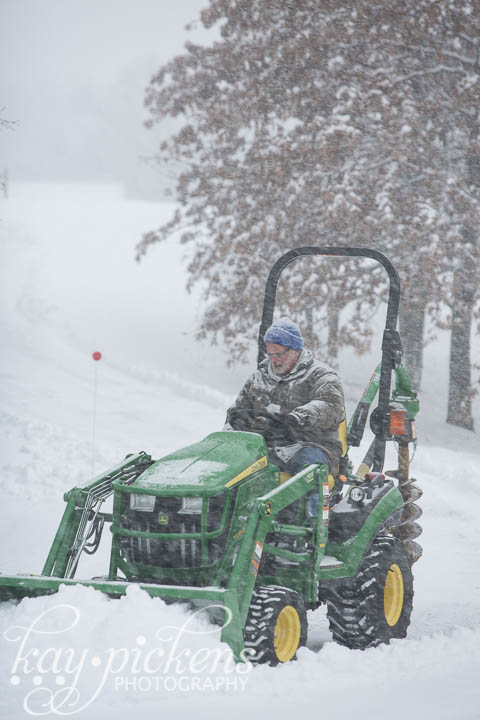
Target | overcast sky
(73,75)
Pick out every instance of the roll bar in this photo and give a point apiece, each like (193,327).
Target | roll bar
(391,345)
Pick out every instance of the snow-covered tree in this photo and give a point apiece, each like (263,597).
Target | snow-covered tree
(270,165)
(333,123)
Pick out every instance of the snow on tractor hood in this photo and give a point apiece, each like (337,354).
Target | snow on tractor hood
(220,460)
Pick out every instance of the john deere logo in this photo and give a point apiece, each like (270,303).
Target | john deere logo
(163,519)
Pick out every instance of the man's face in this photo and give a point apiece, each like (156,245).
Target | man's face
(282,358)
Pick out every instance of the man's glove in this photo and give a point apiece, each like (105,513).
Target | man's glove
(260,422)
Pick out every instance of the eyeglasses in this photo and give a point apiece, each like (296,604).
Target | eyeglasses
(278,355)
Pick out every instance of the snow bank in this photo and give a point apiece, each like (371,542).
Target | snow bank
(139,655)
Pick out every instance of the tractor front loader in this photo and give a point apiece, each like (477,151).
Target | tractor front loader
(218,525)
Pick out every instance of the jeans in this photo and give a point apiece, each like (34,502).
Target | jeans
(306,456)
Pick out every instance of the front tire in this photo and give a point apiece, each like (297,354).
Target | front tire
(375,606)
(276,625)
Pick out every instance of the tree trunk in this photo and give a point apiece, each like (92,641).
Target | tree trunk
(412,331)
(309,332)
(460,381)
(332,340)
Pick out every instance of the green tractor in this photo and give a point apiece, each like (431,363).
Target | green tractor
(218,526)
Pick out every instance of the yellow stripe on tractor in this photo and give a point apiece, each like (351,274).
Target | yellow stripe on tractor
(257,465)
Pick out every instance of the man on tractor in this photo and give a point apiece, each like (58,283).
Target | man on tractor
(295,401)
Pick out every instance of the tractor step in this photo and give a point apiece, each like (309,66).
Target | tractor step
(330,562)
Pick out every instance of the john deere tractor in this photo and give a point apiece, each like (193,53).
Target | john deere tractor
(217,525)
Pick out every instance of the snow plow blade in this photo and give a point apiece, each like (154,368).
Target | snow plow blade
(17,587)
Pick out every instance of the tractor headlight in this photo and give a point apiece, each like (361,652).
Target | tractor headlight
(191,506)
(145,503)
(356,494)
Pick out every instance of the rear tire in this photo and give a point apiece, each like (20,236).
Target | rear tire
(376,605)
(276,625)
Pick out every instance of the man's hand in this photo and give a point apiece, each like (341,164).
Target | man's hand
(251,420)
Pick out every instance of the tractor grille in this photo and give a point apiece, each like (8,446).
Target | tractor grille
(168,518)
(173,553)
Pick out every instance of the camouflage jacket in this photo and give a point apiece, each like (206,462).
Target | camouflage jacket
(314,390)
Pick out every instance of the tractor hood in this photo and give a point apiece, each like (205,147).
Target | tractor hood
(219,461)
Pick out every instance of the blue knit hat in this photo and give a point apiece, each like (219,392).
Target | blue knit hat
(284,332)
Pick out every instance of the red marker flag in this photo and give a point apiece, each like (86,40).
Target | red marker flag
(96,356)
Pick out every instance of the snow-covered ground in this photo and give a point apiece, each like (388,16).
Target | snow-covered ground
(69,286)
